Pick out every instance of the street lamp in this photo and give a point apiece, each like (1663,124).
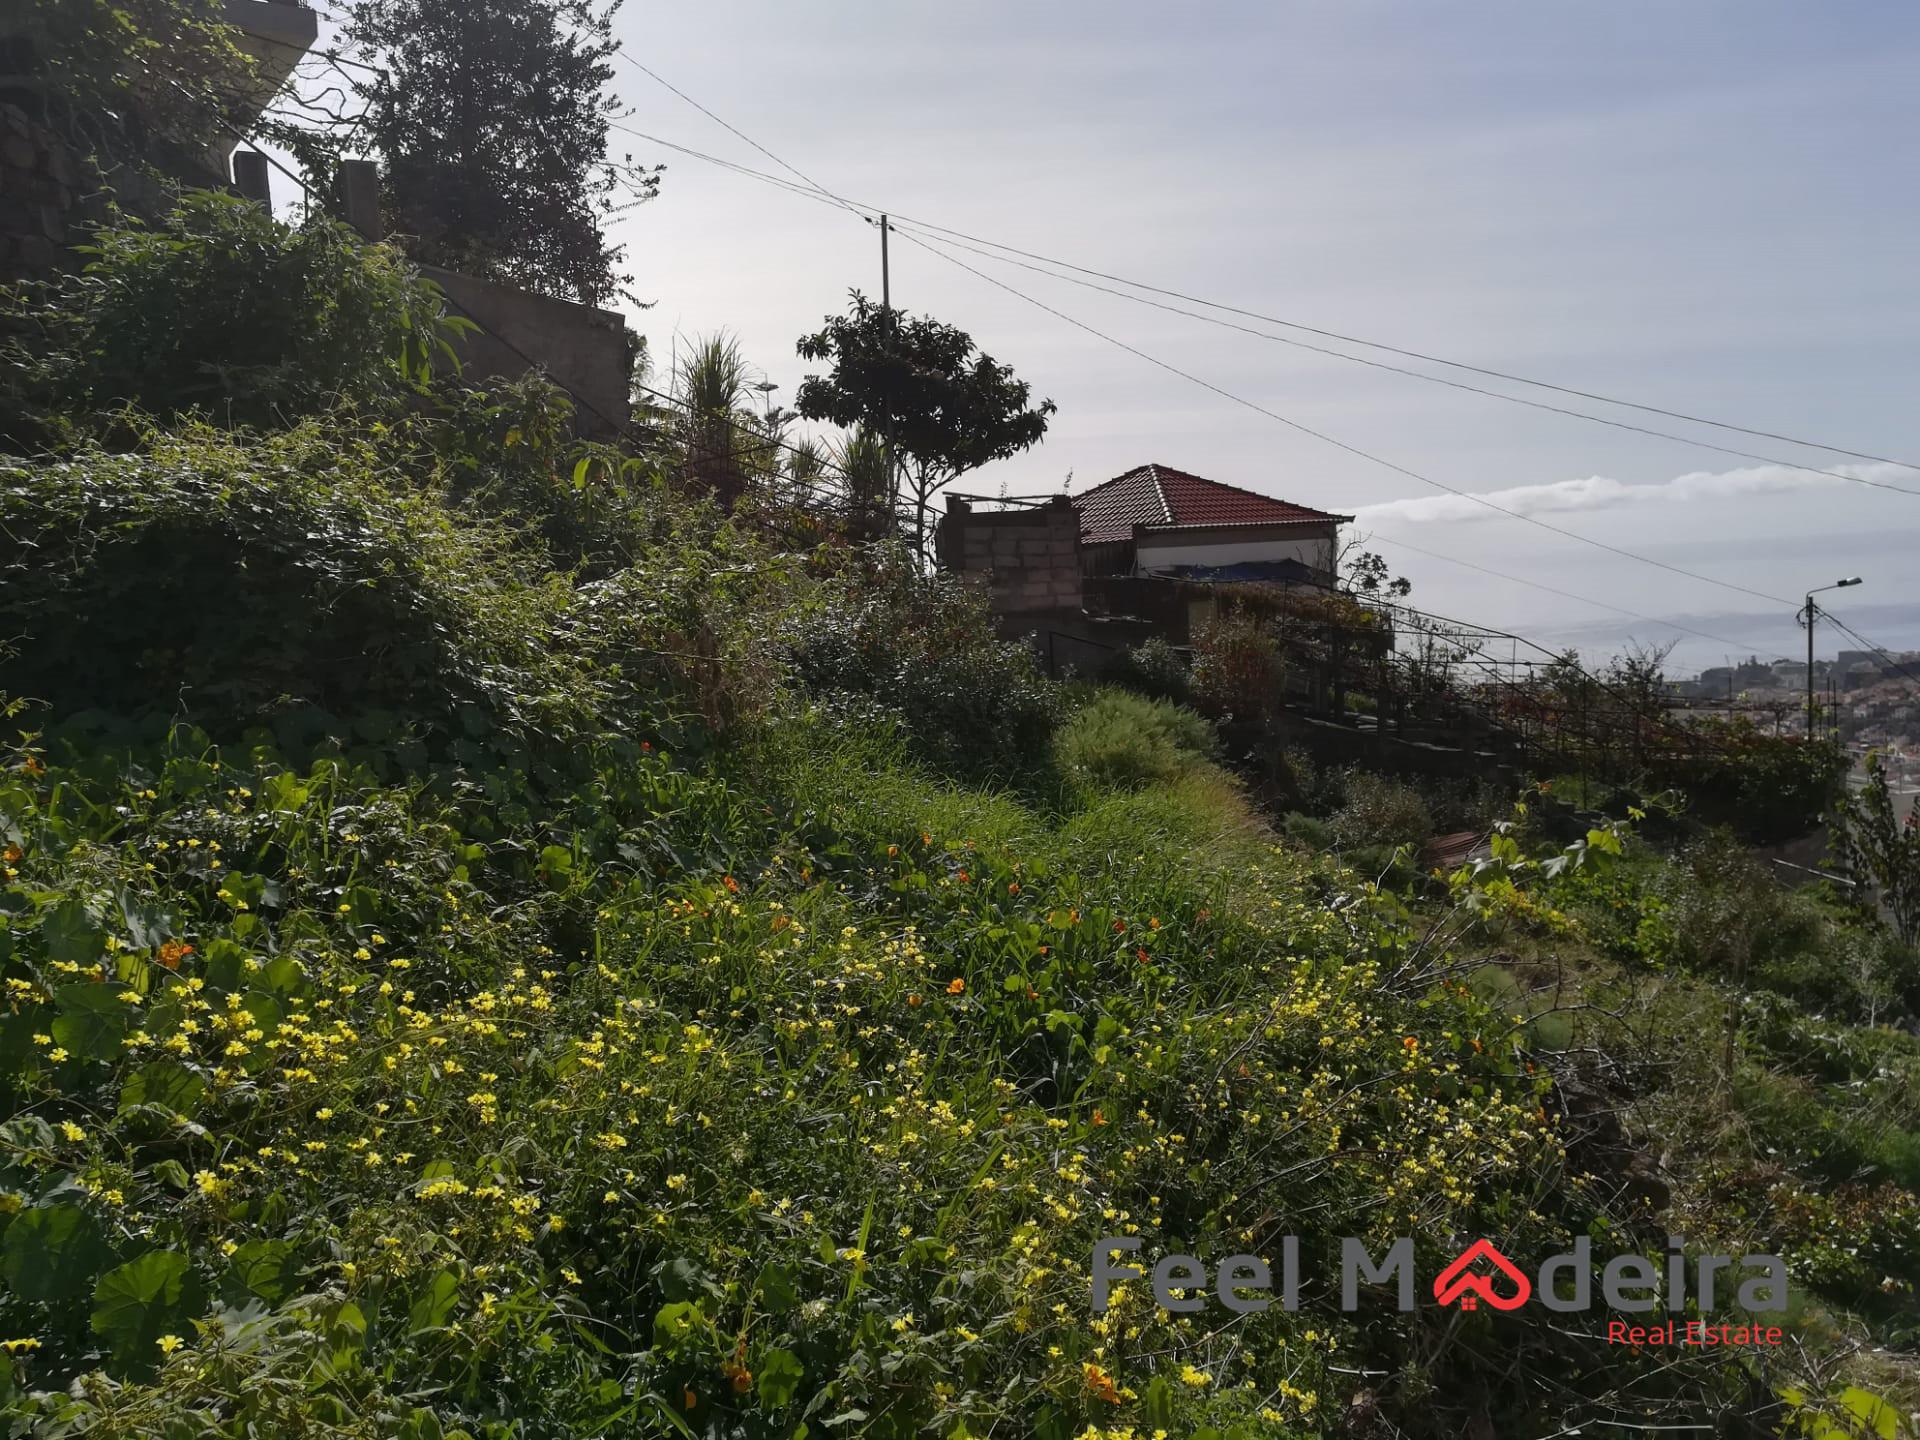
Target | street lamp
(1807,616)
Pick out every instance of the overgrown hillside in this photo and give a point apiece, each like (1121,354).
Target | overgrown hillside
(494,946)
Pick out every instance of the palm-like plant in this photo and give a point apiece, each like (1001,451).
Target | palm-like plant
(872,484)
(713,390)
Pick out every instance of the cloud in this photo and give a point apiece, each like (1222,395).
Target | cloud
(1600,492)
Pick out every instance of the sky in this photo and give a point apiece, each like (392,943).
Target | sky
(1708,206)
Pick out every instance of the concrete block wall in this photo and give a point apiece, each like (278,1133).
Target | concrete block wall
(583,350)
(1030,556)
(43,190)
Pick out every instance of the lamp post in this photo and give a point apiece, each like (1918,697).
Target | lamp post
(1807,616)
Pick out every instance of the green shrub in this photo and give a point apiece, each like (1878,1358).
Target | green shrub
(234,583)
(1123,742)
(1238,668)
(1308,831)
(221,312)
(1152,668)
(1379,811)
(923,646)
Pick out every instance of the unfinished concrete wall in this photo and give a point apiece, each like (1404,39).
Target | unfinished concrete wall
(42,185)
(582,349)
(1029,555)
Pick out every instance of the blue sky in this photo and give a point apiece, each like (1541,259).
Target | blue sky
(1705,205)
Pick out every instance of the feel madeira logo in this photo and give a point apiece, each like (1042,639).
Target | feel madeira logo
(1481,1276)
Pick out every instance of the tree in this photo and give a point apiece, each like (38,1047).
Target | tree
(942,405)
(1366,573)
(490,122)
(1881,849)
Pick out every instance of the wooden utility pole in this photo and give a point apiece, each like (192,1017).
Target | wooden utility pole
(886,278)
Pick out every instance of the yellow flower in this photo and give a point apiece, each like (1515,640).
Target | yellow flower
(170,1343)
(72,1131)
(19,1347)
(1196,1378)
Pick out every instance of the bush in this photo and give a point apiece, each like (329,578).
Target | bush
(1237,667)
(1307,831)
(923,647)
(220,312)
(1120,741)
(234,584)
(1154,669)
(1379,811)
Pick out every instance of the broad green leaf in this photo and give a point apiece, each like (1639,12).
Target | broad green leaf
(73,934)
(137,1303)
(434,1304)
(93,1020)
(266,1269)
(779,1377)
(52,1252)
(163,1082)
(674,1322)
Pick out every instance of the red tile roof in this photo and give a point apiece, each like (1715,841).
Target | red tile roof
(1158,496)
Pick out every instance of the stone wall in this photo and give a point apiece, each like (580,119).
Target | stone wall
(44,197)
(1029,555)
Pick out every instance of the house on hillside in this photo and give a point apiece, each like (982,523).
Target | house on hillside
(1153,552)
(1158,521)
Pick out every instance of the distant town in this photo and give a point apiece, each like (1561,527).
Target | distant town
(1871,699)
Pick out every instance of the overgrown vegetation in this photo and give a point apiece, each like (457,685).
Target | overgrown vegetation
(495,946)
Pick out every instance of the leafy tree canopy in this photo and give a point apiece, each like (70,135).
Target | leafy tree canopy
(490,122)
(944,406)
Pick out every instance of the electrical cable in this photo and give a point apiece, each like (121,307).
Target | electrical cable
(1341,444)
(959,236)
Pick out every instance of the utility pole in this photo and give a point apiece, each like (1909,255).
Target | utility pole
(1807,617)
(886,279)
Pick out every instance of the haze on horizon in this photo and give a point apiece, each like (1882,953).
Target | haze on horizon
(1709,207)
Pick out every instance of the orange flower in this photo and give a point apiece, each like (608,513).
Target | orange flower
(1119,927)
(892,850)
(1101,1384)
(1142,956)
(1099,1116)
(11,854)
(1013,887)
(173,952)
(733,885)
(964,877)
(913,1002)
(956,986)
(691,1398)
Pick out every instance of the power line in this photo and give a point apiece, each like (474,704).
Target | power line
(1325,438)
(926,243)
(1879,650)
(1564,594)
(1435,379)
(958,236)
(739,134)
